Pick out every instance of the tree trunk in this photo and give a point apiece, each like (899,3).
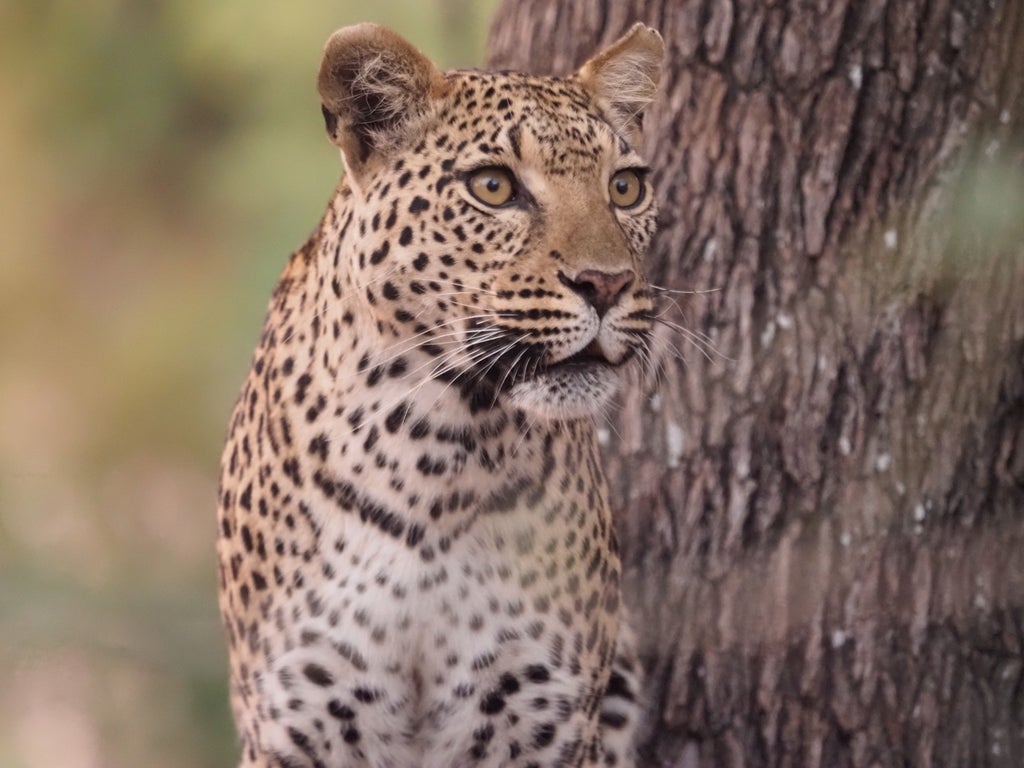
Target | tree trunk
(822,509)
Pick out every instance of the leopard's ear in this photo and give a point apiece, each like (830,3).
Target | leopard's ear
(623,78)
(374,86)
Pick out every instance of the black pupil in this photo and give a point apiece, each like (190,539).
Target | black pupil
(622,186)
(493,184)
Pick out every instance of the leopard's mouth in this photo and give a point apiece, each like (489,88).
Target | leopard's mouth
(503,366)
(591,356)
(576,386)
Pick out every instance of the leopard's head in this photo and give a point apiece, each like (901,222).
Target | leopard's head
(500,220)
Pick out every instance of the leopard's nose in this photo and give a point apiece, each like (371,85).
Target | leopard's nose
(601,290)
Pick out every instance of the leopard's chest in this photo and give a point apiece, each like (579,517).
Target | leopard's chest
(521,592)
(506,577)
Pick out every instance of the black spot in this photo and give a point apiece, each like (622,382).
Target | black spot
(316,409)
(420,262)
(355,418)
(509,683)
(317,675)
(415,535)
(336,709)
(397,417)
(619,686)
(299,739)
(492,703)
(398,367)
(483,661)
(371,439)
(291,470)
(390,291)
(406,237)
(513,138)
(389,522)
(537,673)
(301,387)
(418,205)
(429,466)
(365,695)
(543,735)
(480,398)
(381,253)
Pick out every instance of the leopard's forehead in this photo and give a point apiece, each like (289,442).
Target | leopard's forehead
(516,92)
(498,112)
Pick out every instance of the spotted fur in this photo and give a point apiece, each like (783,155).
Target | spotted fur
(418,566)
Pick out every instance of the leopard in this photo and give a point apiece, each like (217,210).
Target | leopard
(418,564)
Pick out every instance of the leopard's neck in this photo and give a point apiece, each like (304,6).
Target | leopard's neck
(348,397)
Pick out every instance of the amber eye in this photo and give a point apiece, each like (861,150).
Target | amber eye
(492,186)
(626,189)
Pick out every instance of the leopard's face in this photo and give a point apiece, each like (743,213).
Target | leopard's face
(507,242)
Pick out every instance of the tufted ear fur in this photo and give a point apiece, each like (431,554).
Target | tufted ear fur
(373,86)
(623,78)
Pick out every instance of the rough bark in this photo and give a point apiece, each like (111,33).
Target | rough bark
(824,533)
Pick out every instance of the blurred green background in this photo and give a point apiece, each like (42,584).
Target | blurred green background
(159,160)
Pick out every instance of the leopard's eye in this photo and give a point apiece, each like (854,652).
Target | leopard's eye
(492,186)
(626,189)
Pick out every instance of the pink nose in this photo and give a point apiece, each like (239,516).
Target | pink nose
(601,290)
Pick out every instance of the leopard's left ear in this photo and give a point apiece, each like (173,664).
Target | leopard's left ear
(623,78)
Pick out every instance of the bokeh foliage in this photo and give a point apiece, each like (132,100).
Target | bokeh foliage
(160,160)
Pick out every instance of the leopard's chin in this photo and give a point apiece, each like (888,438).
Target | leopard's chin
(572,389)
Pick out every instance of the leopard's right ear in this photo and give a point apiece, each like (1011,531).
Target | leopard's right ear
(374,86)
